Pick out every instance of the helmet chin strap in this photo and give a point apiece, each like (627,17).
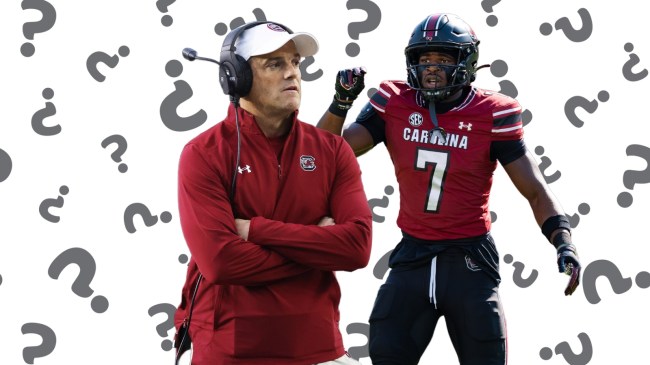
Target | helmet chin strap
(437,130)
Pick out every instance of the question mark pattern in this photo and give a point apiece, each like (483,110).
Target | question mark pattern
(119,151)
(40,115)
(576,102)
(633,61)
(619,284)
(6,165)
(87,269)
(47,345)
(630,177)
(382,203)
(357,352)
(574,220)
(98,57)
(44,208)
(168,324)
(499,68)
(488,6)
(563,348)
(517,278)
(142,210)
(381,267)
(30,29)
(564,24)
(222,29)
(355,29)
(162,6)
(182,92)
(173,121)
(544,165)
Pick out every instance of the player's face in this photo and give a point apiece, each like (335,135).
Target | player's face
(276,81)
(434,76)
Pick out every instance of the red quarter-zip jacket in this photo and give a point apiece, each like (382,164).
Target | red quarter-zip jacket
(271,299)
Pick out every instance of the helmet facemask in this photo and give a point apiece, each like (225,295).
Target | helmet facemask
(456,73)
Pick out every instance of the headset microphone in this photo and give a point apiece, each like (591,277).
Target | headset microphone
(191,55)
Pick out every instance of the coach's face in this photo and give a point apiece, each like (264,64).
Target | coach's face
(434,75)
(276,81)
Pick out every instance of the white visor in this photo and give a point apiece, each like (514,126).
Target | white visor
(268,37)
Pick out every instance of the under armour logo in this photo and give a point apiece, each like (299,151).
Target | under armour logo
(247,169)
(462,125)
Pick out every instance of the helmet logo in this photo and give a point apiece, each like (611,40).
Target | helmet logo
(415,119)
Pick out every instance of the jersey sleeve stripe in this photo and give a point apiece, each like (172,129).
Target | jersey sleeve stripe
(507,129)
(507,111)
(379,100)
(509,120)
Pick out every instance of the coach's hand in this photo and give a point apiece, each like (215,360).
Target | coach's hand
(568,263)
(349,84)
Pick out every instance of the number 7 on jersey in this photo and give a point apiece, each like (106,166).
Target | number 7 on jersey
(439,161)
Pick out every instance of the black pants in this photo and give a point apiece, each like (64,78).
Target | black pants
(412,299)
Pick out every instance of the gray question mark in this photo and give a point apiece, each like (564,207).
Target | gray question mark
(168,324)
(383,203)
(87,268)
(381,267)
(182,92)
(572,358)
(368,25)
(499,68)
(630,177)
(142,210)
(162,5)
(362,329)
(306,76)
(574,35)
(119,151)
(488,6)
(5,165)
(48,111)
(46,23)
(544,165)
(519,280)
(44,208)
(493,216)
(574,102)
(633,61)
(111,61)
(222,28)
(574,220)
(45,348)
(618,283)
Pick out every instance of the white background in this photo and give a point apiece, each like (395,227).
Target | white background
(136,271)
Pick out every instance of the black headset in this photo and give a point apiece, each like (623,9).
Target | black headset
(235,74)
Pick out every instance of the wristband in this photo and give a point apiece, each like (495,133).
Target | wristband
(339,109)
(562,239)
(552,223)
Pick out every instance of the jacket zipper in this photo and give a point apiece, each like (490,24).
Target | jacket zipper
(279,171)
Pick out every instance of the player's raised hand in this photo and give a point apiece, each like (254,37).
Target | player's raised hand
(349,84)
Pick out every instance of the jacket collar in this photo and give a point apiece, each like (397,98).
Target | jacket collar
(247,122)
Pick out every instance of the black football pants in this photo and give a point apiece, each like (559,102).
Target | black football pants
(411,300)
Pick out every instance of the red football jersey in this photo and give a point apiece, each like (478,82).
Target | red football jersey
(445,185)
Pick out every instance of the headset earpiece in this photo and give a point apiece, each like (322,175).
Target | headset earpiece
(235,74)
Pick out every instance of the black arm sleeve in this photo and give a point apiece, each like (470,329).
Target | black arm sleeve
(373,123)
(507,151)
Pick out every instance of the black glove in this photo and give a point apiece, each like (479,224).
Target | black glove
(567,260)
(349,84)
